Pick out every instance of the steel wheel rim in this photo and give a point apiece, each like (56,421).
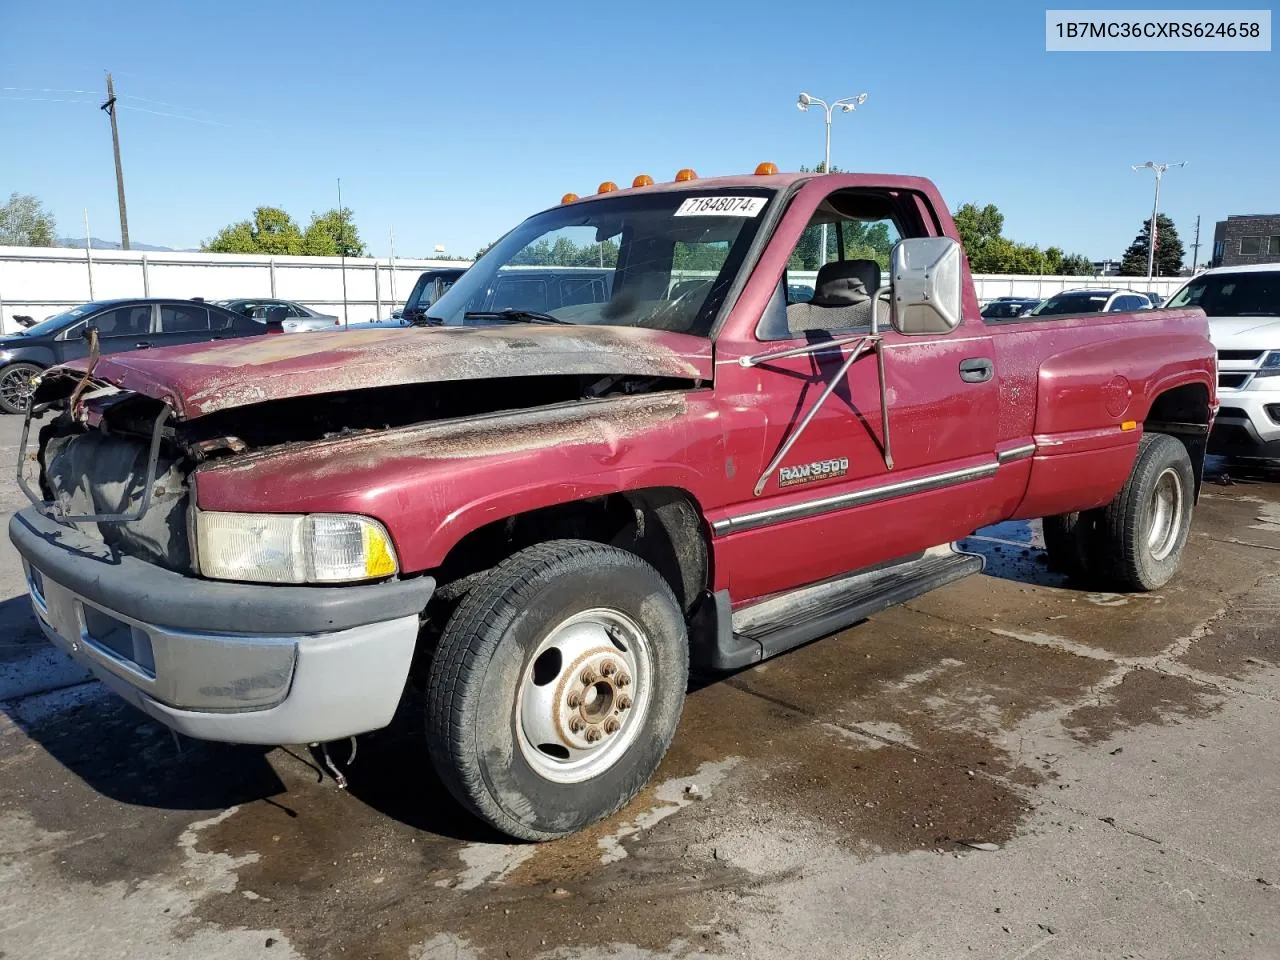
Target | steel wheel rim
(16,386)
(1164,512)
(584,695)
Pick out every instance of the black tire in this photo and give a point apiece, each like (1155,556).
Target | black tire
(1071,540)
(12,398)
(485,654)
(1130,560)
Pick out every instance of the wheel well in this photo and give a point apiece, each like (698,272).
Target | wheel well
(664,526)
(1183,413)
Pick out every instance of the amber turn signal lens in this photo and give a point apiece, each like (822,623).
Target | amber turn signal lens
(766,169)
(685,175)
(569,198)
(644,180)
(607,187)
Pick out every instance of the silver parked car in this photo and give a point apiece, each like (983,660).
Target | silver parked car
(297,318)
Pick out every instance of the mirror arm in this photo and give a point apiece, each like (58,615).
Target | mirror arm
(790,442)
(759,358)
(884,403)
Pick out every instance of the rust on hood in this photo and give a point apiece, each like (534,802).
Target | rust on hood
(204,378)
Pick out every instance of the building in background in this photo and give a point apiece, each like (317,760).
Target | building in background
(1106,268)
(1253,238)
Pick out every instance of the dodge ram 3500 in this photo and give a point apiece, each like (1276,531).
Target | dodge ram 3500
(544,515)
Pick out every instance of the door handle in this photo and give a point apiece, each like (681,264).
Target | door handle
(142,345)
(976,370)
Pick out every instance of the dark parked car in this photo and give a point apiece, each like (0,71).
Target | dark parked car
(1006,308)
(430,287)
(122,325)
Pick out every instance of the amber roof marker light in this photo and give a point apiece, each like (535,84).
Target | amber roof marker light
(684,175)
(643,180)
(607,187)
(569,198)
(766,169)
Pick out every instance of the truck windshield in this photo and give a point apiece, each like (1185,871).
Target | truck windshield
(662,260)
(1232,294)
(1083,301)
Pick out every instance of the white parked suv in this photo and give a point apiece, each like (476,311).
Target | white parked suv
(1243,304)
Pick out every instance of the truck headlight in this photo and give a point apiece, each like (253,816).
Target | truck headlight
(293,548)
(1270,365)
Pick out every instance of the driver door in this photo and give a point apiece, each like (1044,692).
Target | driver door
(834,504)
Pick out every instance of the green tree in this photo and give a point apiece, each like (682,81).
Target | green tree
(1169,251)
(24,222)
(332,234)
(271,231)
(1076,265)
(980,235)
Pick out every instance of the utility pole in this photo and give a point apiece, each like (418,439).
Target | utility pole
(342,249)
(110,107)
(1195,249)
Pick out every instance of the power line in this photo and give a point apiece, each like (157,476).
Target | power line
(42,90)
(46,99)
(175,116)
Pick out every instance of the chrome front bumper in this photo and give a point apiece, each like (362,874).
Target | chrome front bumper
(136,627)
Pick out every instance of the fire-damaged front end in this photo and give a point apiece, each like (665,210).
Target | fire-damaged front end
(225,534)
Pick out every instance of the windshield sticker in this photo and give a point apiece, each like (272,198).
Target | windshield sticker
(721,207)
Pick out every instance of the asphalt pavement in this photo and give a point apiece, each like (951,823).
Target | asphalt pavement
(1007,767)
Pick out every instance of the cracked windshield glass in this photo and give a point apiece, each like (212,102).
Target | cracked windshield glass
(663,261)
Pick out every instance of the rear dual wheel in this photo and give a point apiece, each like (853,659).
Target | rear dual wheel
(556,688)
(1136,541)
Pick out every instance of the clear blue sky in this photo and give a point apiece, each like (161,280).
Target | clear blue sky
(451,122)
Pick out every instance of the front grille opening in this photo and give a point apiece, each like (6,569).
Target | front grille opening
(1239,354)
(1232,381)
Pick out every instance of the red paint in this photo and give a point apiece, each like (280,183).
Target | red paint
(1057,386)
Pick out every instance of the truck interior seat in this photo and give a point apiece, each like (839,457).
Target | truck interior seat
(841,298)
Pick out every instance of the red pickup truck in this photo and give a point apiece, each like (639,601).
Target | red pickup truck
(543,512)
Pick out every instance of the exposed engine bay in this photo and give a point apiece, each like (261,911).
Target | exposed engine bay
(95,470)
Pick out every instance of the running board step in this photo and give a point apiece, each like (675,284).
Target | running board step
(781,623)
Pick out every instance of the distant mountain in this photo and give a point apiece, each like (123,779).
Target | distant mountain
(111,245)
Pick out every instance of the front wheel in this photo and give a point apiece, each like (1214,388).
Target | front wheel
(556,687)
(1144,530)
(17,382)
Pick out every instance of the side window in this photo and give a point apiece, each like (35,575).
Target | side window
(512,294)
(179,318)
(220,321)
(297,311)
(836,267)
(586,290)
(124,322)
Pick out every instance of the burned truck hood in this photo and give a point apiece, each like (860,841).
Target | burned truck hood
(205,378)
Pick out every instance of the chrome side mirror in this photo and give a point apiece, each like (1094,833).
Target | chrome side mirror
(924,285)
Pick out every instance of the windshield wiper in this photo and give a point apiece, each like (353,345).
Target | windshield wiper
(513,316)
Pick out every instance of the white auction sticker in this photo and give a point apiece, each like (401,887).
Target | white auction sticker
(721,207)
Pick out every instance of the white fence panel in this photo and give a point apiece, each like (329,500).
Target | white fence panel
(40,281)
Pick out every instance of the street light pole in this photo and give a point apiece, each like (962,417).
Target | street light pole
(847,105)
(1159,169)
